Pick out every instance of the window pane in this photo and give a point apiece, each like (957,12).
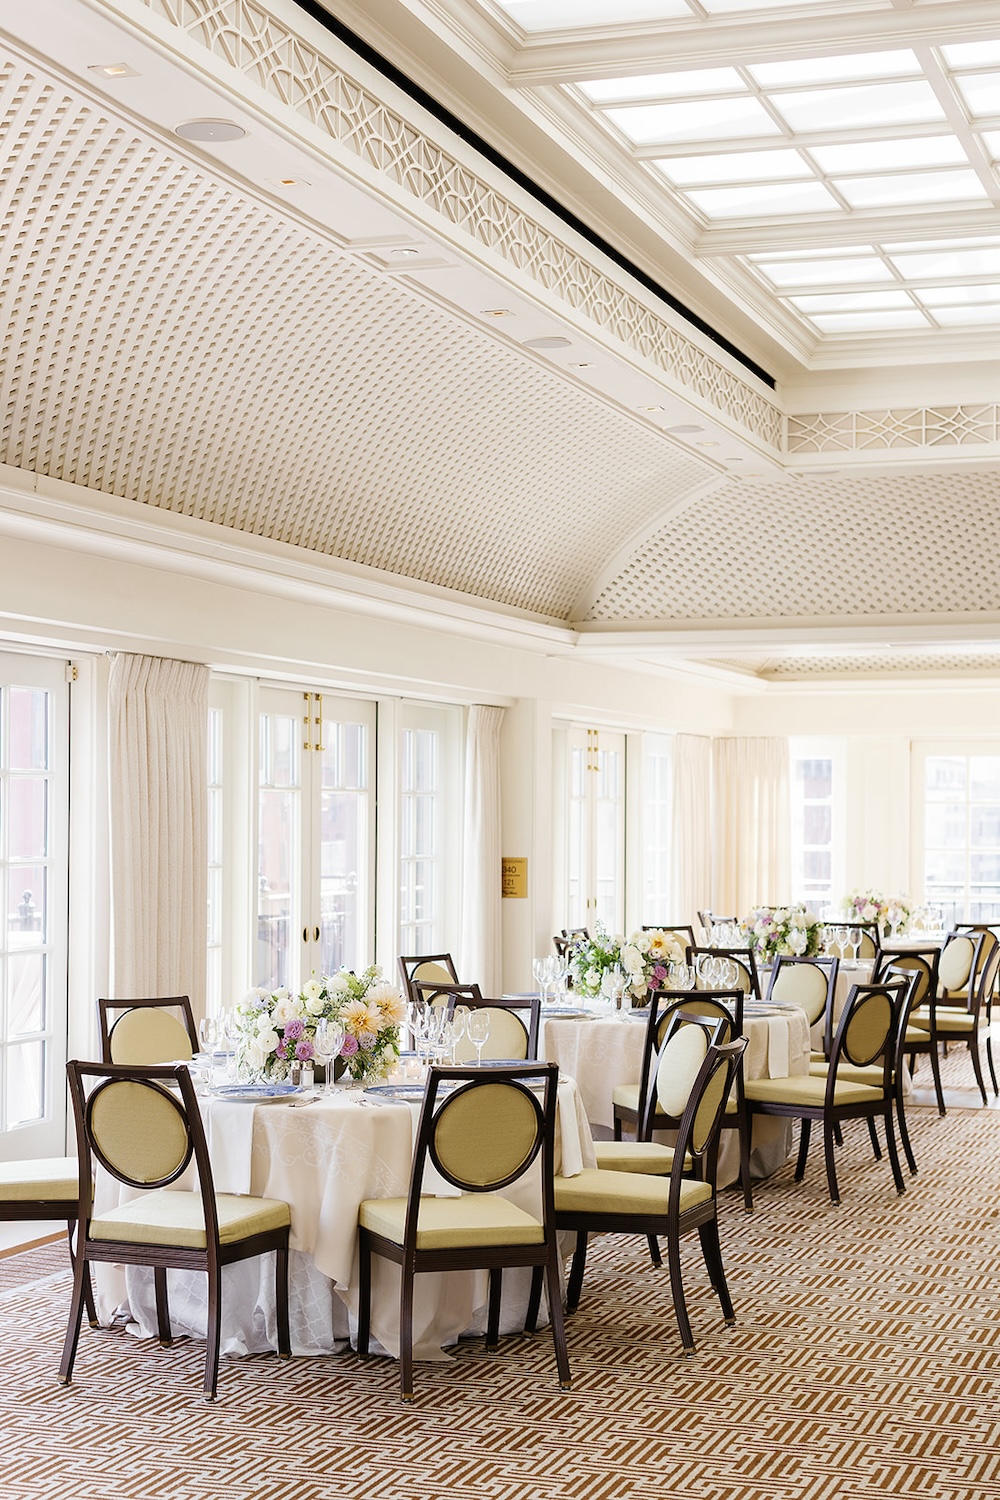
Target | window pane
(26,913)
(277,862)
(28,729)
(984,777)
(26,993)
(26,818)
(984,826)
(25,1083)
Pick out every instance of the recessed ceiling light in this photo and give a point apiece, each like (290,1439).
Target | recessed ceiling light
(112,70)
(550,341)
(650,408)
(706,445)
(582,364)
(288,182)
(497,312)
(210,130)
(406,250)
(728,460)
(685,429)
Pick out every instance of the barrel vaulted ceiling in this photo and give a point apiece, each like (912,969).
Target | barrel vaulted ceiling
(350,331)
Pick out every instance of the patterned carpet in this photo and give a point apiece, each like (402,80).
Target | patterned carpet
(865,1363)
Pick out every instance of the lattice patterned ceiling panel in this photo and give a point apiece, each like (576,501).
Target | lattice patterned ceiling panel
(905,663)
(821,548)
(171,341)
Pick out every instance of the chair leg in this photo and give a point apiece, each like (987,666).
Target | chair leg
(493,1316)
(162,1308)
(554,1288)
(977,1066)
(281,1301)
(677,1291)
(989,1059)
(800,1164)
(81,1273)
(213,1331)
(936,1070)
(890,1140)
(617,1127)
(88,1291)
(873,1133)
(534,1300)
(744,1134)
(712,1252)
(406,1275)
(838,1134)
(576,1270)
(364,1293)
(904,1134)
(831,1161)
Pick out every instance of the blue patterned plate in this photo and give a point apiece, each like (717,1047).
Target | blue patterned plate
(256,1093)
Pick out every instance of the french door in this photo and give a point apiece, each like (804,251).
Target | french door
(315,835)
(34,846)
(595,829)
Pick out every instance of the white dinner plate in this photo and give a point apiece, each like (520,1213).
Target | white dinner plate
(256,1093)
(563,1013)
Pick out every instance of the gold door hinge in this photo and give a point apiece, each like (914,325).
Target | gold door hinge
(312,721)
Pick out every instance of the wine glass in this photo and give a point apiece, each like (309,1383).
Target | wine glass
(538,973)
(327,1044)
(454,1029)
(616,986)
(854,943)
(477,1026)
(208,1033)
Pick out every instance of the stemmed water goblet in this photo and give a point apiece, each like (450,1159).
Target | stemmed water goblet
(327,1043)
(854,943)
(477,1026)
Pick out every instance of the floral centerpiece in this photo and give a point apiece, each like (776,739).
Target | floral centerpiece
(275,1029)
(644,959)
(871,906)
(790,930)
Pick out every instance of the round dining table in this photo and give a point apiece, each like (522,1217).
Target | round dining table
(324,1159)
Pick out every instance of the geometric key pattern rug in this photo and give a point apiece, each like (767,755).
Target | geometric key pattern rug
(865,1363)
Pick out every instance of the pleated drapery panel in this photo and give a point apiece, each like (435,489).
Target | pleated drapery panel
(159,826)
(692,842)
(481,952)
(751,863)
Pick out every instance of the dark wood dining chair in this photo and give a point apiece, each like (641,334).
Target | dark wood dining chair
(148,1030)
(433,967)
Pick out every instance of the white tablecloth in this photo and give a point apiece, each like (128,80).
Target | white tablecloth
(324,1160)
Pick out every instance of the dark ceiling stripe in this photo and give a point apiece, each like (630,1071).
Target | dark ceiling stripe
(377,61)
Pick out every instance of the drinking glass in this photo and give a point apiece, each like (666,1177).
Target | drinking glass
(854,943)
(477,1026)
(616,982)
(327,1044)
(538,972)
(454,1030)
(208,1033)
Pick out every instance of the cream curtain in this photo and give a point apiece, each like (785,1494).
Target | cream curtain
(480,958)
(751,863)
(692,842)
(159,826)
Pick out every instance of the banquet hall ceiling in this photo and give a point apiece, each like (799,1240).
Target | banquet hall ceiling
(347,333)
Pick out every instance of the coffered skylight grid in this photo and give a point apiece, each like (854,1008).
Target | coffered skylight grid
(825,141)
(565,15)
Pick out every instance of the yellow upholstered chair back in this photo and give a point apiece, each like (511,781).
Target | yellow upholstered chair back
(487,1134)
(507,1041)
(956,962)
(868,1028)
(801,984)
(681,1056)
(146,1036)
(139,1132)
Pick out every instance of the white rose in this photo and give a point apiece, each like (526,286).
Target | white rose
(632,959)
(289,1008)
(311,990)
(266,1041)
(592,979)
(338,985)
(315,1005)
(256,1055)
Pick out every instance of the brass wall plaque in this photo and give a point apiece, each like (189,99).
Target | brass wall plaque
(514,877)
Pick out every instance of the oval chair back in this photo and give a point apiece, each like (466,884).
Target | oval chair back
(723,1008)
(866,1032)
(513,1029)
(743,973)
(434,968)
(701,1120)
(146,1033)
(808,983)
(960,958)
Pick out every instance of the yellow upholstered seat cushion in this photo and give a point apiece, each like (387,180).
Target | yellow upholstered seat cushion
(632,1193)
(634,1156)
(949,1020)
(49,1178)
(472,1220)
(169,1217)
(626,1096)
(808,1091)
(871,1076)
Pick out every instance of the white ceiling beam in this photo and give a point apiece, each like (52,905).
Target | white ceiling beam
(814,232)
(665,47)
(806,139)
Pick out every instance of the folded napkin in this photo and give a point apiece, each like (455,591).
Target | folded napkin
(777,1046)
(229,1131)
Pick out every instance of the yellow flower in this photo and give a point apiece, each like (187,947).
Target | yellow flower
(356,1017)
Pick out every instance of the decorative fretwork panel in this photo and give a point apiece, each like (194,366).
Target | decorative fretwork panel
(901,427)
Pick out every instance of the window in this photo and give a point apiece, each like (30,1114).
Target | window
(214,981)
(657,828)
(961,835)
(34,764)
(429,804)
(817,841)
(594,853)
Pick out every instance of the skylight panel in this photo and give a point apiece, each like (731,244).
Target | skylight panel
(825,272)
(725,7)
(981,92)
(953,296)
(992,139)
(974,314)
(733,166)
(699,120)
(910,187)
(837,302)
(873,105)
(556,15)
(884,156)
(869,322)
(858,66)
(972,54)
(754,199)
(692,83)
(948,264)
